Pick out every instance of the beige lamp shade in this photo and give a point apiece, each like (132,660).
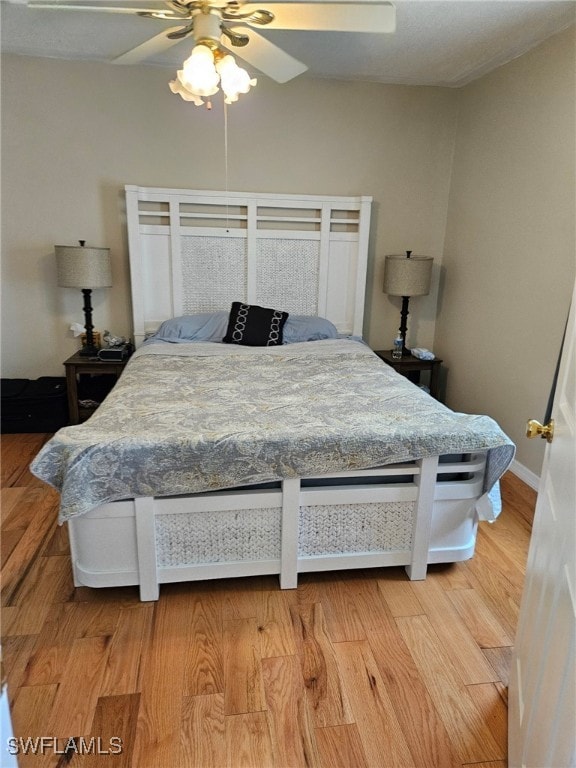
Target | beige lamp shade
(80,267)
(407,275)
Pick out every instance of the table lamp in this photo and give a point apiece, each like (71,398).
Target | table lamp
(87,269)
(407,276)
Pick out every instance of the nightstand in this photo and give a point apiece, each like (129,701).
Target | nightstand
(412,367)
(76,366)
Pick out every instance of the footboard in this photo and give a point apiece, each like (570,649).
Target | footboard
(404,514)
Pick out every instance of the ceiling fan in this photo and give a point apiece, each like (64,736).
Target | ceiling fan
(225,23)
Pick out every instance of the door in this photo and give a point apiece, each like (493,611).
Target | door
(542,693)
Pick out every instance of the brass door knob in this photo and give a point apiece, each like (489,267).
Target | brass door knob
(534,428)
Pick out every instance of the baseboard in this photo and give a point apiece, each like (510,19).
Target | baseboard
(525,474)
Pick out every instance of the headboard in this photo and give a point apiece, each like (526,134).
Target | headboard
(198,251)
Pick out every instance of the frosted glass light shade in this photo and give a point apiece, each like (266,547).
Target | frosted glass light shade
(205,68)
(407,276)
(198,74)
(80,267)
(233,79)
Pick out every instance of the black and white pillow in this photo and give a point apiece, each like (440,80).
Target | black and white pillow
(255,326)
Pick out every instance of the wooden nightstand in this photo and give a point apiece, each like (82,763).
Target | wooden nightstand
(77,365)
(412,367)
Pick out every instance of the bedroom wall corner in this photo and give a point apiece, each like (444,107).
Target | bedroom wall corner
(510,240)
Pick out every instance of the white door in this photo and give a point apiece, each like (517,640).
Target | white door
(542,693)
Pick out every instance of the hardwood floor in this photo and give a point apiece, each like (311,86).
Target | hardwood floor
(352,669)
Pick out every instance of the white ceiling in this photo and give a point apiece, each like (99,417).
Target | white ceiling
(437,42)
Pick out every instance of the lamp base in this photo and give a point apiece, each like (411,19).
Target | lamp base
(88,351)
(404,325)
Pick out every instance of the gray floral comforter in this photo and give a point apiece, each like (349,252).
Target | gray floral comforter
(199,417)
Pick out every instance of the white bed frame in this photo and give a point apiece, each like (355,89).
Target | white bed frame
(193,251)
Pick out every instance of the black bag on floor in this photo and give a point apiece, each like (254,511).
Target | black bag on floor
(38,405)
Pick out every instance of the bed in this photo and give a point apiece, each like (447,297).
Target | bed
(220,453)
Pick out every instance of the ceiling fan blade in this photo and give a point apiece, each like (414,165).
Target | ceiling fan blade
(373,17)
(148,9)
(267,57)
(157,44)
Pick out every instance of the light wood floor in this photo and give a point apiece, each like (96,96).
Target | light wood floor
(352,669)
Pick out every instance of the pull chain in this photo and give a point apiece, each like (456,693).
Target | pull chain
(226,161)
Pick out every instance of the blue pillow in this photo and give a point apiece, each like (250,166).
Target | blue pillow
(308,328)
(212,326)
(206,326)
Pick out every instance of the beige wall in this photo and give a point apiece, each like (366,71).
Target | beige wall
(75,133)
(509,261)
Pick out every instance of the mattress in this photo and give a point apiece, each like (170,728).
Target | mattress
(197,417)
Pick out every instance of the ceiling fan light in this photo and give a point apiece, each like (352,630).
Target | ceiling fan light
(198,74)
(233,79)
(177,87)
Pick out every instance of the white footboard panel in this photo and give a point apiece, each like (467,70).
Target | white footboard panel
(409,515)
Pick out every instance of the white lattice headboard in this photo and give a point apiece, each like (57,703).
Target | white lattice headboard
(198,251)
